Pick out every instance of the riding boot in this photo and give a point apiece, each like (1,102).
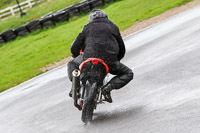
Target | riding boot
(106,92)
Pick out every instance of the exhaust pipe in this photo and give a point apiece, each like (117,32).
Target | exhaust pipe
(75,87)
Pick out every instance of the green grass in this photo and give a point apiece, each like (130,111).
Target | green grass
(6,3)
(22,58)
(35,13)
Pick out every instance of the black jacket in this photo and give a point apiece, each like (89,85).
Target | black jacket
(100,39)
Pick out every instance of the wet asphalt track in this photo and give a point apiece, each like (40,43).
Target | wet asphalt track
(164,96)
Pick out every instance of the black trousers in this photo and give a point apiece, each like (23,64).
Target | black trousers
(123,74)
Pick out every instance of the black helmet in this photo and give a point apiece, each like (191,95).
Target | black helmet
(97,13)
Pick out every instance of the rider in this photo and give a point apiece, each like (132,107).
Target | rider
(101,38)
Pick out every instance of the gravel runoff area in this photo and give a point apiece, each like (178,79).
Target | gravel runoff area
(137,27)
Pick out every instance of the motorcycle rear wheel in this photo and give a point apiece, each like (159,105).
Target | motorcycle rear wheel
(89,102)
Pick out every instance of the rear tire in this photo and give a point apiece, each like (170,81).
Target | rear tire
(89,102)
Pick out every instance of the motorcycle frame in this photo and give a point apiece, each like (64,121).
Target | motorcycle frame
(78,87)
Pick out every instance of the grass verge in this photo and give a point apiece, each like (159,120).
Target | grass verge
(34,13)
(22,58)
(6,3)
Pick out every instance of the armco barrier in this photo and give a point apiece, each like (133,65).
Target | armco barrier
(51,19)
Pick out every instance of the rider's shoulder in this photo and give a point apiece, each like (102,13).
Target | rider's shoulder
(86,26)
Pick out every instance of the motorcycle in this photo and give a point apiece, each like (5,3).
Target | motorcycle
(87,85)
